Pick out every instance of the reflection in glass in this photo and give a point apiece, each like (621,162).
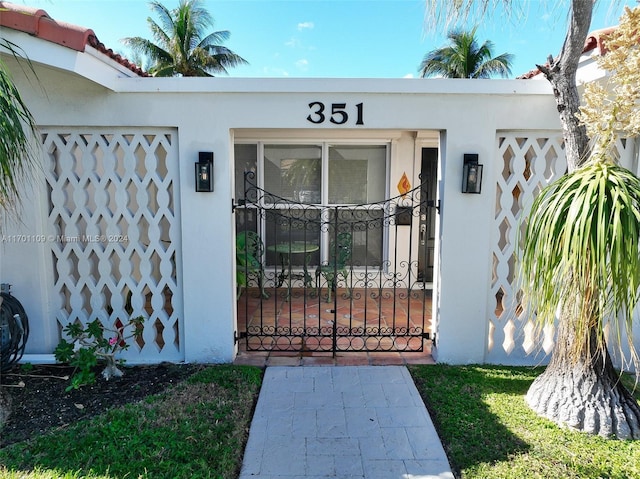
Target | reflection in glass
(357,174)
(293,227)
(246,157)
(367,231)
(293,172)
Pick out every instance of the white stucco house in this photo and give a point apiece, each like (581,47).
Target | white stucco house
(112,224)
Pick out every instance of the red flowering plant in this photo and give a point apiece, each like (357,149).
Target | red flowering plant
(95,343)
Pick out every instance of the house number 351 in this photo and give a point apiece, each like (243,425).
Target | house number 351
(336,114)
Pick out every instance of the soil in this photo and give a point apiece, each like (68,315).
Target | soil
(34,401)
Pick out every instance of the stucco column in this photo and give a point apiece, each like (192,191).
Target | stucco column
(465,233)
(208,265)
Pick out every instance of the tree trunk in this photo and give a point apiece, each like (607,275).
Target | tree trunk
(584,393)
(561,73)
(111,370)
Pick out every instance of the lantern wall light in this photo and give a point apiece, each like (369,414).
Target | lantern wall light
(204,172)
(471,174)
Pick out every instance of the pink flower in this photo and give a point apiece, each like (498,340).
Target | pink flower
(113,341)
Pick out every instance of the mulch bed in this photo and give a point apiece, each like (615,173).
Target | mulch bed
(34,401)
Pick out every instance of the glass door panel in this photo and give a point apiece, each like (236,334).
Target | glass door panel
(357,173)
(294,172)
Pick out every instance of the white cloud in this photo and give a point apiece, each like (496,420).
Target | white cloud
(408,75)
(305,25)
(293,43)
(302,64)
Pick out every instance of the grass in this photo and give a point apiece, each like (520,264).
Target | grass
(489,432)
(197,429)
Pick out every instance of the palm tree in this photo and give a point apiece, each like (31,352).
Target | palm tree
(579,387)
(16,129)
(182,46)
(581,252)
(465,58)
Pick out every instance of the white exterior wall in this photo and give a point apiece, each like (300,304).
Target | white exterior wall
(208,113)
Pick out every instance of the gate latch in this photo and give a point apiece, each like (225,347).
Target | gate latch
(432,337)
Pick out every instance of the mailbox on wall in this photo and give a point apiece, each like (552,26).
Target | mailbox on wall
(204,172)
(403,215)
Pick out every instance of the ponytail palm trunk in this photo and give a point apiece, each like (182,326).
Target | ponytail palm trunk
(581,262)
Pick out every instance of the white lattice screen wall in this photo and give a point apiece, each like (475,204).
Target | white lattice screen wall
(113,212)
(528,161)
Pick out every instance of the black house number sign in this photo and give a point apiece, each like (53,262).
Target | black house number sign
(336,113)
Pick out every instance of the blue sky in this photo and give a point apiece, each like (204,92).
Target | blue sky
(336,38)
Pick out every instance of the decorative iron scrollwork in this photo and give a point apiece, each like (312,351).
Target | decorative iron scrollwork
(328,294)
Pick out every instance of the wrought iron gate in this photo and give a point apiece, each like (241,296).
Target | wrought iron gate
(330,278)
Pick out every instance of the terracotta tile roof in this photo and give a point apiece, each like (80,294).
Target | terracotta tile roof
(38,23)
(530,74)
(594,41)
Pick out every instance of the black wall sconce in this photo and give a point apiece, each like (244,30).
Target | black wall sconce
(471,174)
(204,171)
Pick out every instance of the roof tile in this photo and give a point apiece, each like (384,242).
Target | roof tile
(595,40)
(38,23)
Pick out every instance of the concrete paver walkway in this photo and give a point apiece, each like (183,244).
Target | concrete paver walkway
(363,422)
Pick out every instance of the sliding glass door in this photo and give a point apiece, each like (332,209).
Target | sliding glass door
(313,187)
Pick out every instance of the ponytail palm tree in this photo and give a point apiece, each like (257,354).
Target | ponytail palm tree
(579,387)
(182,45)
(465,58)
(582,257)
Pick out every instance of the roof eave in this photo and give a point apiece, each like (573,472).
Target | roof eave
(89,64)
(37,23)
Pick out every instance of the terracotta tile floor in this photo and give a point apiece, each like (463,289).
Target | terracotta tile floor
(364,310)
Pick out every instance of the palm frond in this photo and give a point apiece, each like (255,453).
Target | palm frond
(499,65)
(465,58)
(581,251)
(164,14)
(147,48)
(163,70)
(450,13)
(162,38)
(215,38)
(17,127)
(219,55)
(181,47)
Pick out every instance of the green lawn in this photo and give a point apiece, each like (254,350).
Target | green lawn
(197,429)
(489,432)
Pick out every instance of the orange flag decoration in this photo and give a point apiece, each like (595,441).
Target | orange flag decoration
(404,185)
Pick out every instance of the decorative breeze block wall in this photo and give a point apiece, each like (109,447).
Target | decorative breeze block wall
(528,161)
(114,222)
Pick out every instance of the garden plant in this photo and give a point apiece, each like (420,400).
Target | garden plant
(95,343)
